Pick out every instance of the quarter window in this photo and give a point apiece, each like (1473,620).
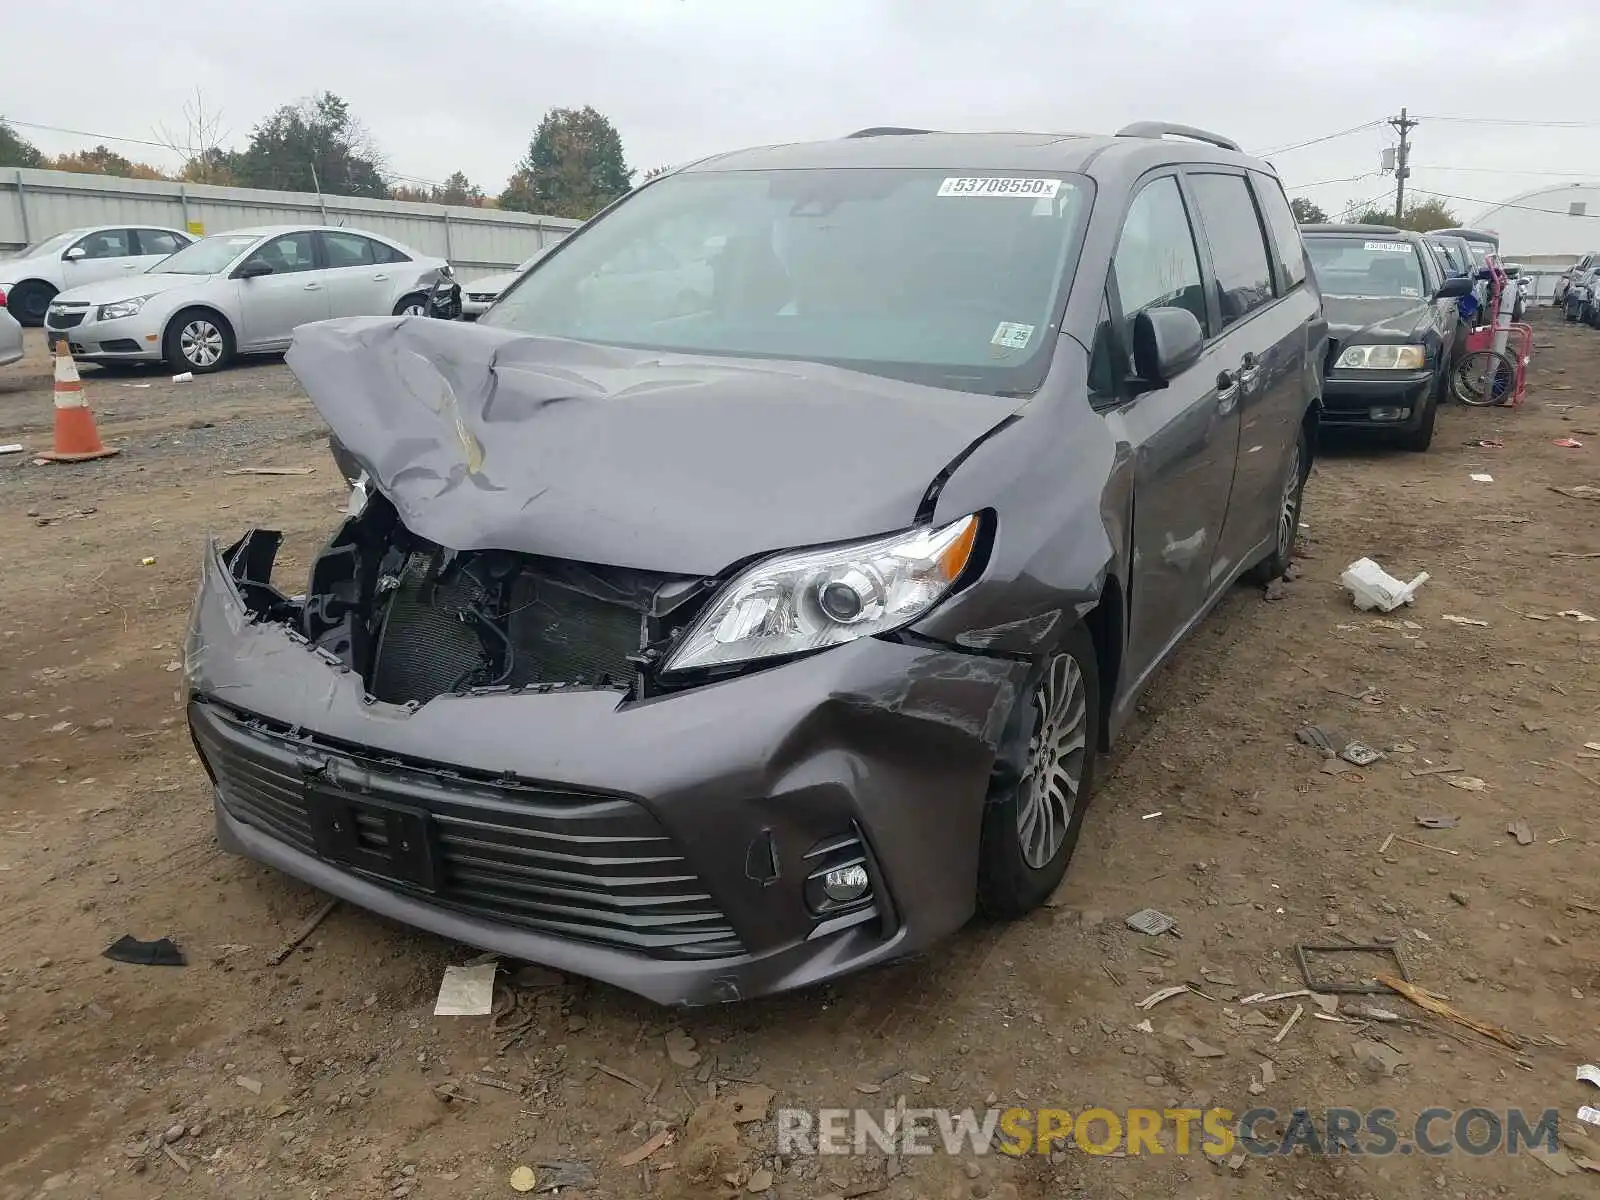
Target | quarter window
(1238,249)
(1284,229)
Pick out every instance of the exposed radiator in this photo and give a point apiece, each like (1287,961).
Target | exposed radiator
(425,647)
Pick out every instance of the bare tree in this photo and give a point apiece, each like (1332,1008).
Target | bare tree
(199,143)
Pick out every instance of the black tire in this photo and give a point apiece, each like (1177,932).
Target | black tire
(415,305)
(1483,378)
(28,301)
(198,340)
(1009,885)
(1420,438)
(1290,501)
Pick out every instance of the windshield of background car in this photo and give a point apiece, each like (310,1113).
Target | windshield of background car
(208,256)
(1451,256)
(937,276)
(1366,266)
(58,241)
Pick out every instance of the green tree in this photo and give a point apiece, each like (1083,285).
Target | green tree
(574,166)
(1306,212)
(310,145)
(1420,215)
(103,160)
(16,150)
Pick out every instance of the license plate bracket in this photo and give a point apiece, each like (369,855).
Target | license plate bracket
(392,841)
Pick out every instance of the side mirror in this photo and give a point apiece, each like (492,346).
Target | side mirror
(1454,288)
(1166,343)
(254,269)
(74,254)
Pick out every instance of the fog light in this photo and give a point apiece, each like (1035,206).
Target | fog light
(1388,414)
(845,884)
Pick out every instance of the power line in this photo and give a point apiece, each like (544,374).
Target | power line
(1327,137)
(1507,171)
(1503,204)
(129,141)
(1303,187)
(1518,122)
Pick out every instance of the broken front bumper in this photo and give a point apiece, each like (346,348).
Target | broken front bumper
(673,846)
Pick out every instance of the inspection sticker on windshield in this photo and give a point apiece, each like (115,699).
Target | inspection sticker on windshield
(998,185)
(1410,291)
(1012,336)
(1389,247)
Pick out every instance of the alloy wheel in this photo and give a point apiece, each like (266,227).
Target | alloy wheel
(414,308)
(1289,509)
(200,343)
(1057,751)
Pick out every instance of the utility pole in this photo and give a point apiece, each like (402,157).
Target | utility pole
(1403,125)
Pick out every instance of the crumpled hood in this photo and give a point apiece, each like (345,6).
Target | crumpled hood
(1376,318)
(125,287)
(484,438)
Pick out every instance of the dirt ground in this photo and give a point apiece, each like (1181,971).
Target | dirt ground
(318,1077)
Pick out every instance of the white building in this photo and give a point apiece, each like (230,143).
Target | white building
(1549,222)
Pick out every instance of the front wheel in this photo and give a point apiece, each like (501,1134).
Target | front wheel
(1420,438)
(199,341)
(28,302)
(1484,378)
(415,305)
(1042,782)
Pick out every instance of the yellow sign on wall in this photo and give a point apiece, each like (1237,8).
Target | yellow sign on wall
(198,228)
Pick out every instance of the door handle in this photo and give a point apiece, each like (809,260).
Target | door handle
(312,287)
(1249,369)
(380,277)
(130,266)
(1227,391)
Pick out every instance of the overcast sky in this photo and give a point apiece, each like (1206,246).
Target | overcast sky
(461,84)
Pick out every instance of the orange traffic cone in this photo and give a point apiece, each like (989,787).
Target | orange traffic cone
(77,440)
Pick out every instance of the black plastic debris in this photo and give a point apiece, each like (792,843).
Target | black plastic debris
(163,952)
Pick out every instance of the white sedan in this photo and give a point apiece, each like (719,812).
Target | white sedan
(32,277)
(477,296)
(241,292)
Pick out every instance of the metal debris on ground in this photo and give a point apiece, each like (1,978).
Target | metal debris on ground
(1371,587)
(1153,922)
(1521,831)
(1589,1116)
(1481,477)
(1573,614)
(1429,1002)
(466,991)
(11,448)
(1299,1011)
(1372,1012)
(1438,822)
(1455,620)
(1369,986)
(1360,753)
(1589,1073)
(1422,771)
(1317,738)
(1579,491)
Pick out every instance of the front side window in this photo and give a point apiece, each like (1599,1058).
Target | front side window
(937,276)
(1156,263)
(107,243)
(1356,265)
(287,255)
(1238,250)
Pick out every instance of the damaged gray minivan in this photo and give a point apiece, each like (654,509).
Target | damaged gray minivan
(744,599)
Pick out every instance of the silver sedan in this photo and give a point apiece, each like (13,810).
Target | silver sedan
(241,292)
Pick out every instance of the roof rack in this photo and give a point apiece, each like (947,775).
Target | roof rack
(1162,129)
(886,131)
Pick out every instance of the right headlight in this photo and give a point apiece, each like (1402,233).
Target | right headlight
(812,599)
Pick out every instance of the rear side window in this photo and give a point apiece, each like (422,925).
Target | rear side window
(347,250)
(1238,247)
(384,253)
(1281,225)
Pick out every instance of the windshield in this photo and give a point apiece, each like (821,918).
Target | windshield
(915,274)
(1357,266)
(56,242)
(208,256)
(1451,256)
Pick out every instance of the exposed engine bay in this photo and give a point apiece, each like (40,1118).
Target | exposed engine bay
(417,620)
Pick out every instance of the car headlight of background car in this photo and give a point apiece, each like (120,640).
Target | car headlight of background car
(121,308)
(1384,358)
(812,599)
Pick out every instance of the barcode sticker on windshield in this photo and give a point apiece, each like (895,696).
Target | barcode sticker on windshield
(997,185)
(1389,247)
(1012,336)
